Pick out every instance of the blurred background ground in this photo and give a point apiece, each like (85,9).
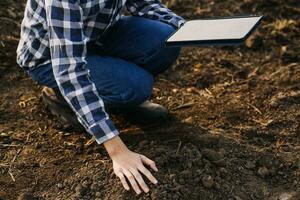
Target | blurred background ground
(233,133)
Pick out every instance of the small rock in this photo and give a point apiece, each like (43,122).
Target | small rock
(189,90)
(181,181)
(86,183)
(263,172)
(97,194)
(175,90)
(188,120)
(285,196)
(154,194)
(223,173)
(172,176)
(207,140)
(208,182)
(60,186)
(250,165)
(212,155)
(80,190)
(268,163)
(217,186)
(4,135)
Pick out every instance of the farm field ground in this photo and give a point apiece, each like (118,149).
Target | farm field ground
(233,131)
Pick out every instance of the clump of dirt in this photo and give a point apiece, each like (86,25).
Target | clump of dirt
(233,132)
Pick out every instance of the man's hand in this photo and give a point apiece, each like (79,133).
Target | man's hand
(130,165)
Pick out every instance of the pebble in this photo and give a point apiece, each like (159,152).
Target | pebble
(60,186)
(267,165)
(217,186)
(207,140)
(154,194)
(98,194)
(86,183)
(285,196)
(208,181)
(212,155)
(4,135)
(188,120)
(181,181)
(250,165)
(223,172)
(263,172)
(189,90)
(80,190)
(175,90)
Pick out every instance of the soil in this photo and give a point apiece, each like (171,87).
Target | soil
(233,130)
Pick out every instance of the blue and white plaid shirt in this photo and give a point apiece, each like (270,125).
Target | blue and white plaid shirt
(57,32)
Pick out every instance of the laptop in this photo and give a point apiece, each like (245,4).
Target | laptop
(214,31)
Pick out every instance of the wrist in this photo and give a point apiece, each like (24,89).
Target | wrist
(115,146)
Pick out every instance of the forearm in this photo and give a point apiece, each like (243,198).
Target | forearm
(114,145)
(154,9)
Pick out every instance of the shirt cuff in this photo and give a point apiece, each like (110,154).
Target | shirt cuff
(103,131)
(177,21)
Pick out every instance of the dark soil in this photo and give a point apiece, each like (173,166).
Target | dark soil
(233,133)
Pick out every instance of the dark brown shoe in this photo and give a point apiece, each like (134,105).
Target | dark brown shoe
(147,111)
(58,106)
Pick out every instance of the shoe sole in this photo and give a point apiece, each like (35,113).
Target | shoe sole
(65,116)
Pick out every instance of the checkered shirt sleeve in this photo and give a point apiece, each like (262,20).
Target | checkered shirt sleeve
(154,9)
(68,52)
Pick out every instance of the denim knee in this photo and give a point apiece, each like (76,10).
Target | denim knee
(138,91)
(169,55)
(161,59)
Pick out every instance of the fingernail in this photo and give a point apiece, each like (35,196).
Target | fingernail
(146,190)
(139,192)
(155,181)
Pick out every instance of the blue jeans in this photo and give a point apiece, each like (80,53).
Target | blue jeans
(123,69)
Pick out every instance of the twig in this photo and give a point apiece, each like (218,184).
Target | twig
(208,91)
(132,131)
(10,145)
(186,105)
(179,145)
(255,108)
(11,163)
(90,142)
(1,42)
(15,157)
(11,175)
